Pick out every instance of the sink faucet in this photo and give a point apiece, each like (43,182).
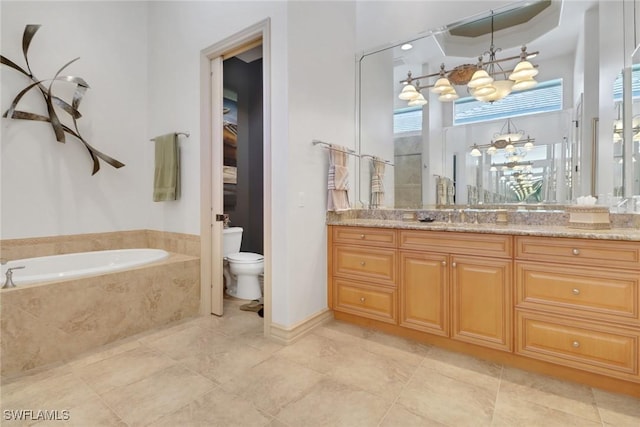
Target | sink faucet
(9,282)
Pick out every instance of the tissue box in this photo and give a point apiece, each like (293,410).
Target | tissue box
(589,217)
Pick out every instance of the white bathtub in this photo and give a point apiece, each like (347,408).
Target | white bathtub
(68,266)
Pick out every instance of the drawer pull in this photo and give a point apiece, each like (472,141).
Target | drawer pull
(444,263)
(454,265)
(575,344)
(575,251)
(362,236)
(362,263)
(362,299)
(576,291)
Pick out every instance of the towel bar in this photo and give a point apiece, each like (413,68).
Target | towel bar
(186,134)
(349,151)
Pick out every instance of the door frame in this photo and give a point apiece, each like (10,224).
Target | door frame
(211,146)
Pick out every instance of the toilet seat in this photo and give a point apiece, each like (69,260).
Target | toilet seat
(245,257)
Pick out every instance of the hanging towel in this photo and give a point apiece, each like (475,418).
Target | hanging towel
(377,185)
(166,180)
(338,185)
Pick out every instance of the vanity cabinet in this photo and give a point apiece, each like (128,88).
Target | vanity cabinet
(560,306)
(457,285)
(364,272)
(578,303)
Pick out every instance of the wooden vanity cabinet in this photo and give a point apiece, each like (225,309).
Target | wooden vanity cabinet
(457,285)
(560,306)
(363,272)
(578,304)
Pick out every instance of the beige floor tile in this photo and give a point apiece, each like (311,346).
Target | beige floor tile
(123,368)
(215,409)
(447,400)
(571,398)
(104,352)
(224,363)
(512,411)
(143,402)
(331,403)
(464,368)
(314,351)
(183,343)
(273,383)
(52,392)
(91,413)
(399,416)
(617,410)
(277,423)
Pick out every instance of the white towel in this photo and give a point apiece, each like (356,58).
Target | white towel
(377,182)
(338,180)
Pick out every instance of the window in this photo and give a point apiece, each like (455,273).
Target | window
(407,120)
(545,97)
(635,84)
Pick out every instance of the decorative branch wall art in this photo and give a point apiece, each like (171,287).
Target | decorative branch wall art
(51,101)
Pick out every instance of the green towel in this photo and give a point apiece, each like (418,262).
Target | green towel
(166,180)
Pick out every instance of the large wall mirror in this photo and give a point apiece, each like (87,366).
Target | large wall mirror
(539,133)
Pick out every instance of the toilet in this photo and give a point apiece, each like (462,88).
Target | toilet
(242,270)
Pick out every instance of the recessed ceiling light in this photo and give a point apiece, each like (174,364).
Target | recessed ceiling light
(406,46)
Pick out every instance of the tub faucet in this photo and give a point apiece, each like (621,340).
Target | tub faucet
(9,282)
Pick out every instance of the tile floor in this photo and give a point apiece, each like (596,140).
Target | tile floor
(212,371)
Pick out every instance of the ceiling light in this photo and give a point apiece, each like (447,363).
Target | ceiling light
(408,93)
(417,101)
(509,139)
(475,152)
(406,46)
(486,81)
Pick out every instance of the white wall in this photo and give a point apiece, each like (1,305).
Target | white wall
(47,187)
(321,106)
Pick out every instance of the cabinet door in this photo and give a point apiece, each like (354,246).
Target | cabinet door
(481,301)
(424,292)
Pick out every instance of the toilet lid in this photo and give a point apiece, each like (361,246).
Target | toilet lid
(245,257)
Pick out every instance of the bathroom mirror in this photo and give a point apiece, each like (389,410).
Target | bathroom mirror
(430,145)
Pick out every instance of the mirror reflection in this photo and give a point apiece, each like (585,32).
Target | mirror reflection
(489,110)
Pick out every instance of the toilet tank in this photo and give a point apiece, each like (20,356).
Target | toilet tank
(231,240)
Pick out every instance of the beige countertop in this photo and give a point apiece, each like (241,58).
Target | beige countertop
(630,234)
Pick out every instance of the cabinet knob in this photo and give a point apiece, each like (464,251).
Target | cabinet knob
(575,251)
(362,299)
(362,263)
(444,263)
(576,291)
(454,265)
(362,236)
(575,344)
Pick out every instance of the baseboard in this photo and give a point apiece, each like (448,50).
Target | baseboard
(288,335)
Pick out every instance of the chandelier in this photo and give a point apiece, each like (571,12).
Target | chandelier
(509,139)
(618,128)
(486,81)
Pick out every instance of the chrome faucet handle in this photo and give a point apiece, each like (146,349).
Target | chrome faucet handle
(9,282)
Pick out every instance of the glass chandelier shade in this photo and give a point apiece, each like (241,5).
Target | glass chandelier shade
(524,70)
(442,85)
(480,78)
(502,89)
(417,101)
(408,93)
(448,95)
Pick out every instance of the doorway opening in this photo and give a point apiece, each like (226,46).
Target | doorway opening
(235,158)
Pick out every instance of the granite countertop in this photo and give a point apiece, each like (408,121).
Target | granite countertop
(630,234)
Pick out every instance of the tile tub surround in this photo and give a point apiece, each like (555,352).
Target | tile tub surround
(187,244)
(53,322)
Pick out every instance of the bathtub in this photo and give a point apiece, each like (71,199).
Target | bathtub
(69,266)
(66,305)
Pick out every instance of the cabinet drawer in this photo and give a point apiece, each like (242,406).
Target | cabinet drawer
(457,243)
(578,344)
(605,253)
(371,264)
(375,302)
(594,293)
(365,236)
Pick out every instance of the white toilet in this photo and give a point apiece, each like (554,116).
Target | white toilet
(242,270)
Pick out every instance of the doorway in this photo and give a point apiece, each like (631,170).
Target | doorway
(229,70)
